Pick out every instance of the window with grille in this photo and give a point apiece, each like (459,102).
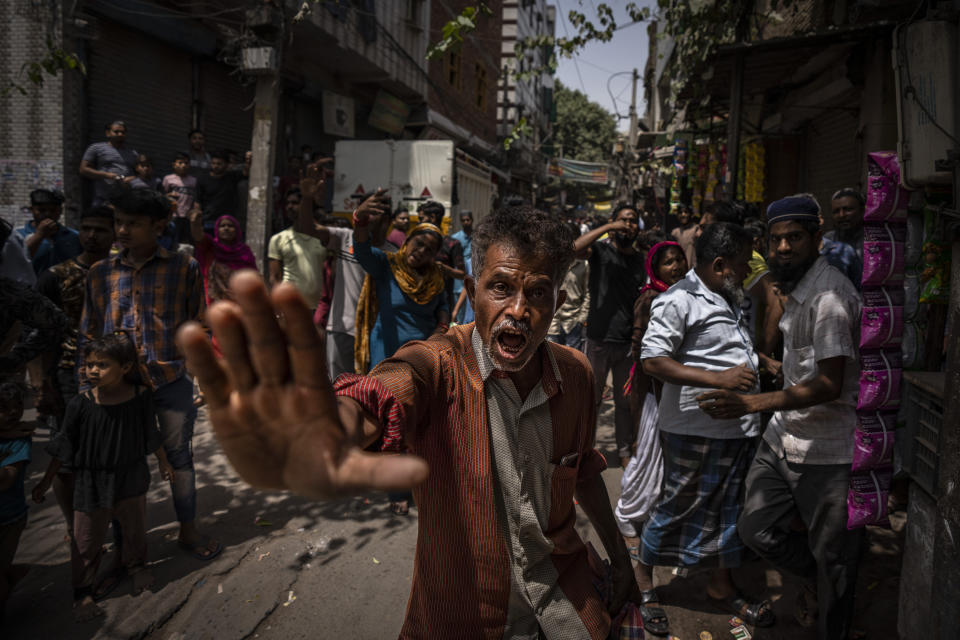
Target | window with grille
(451,69)
(480,88)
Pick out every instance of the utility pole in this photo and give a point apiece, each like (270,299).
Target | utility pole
(264,62)
(630,155)
(264,147)
(633,114)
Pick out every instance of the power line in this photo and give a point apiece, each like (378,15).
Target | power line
(567,32)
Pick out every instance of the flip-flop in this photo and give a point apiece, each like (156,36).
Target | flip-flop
(758,614)
(197,551)
(654,618)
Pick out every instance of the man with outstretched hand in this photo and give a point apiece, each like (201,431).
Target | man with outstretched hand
(500,423)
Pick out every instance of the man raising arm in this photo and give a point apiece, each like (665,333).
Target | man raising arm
(501,421)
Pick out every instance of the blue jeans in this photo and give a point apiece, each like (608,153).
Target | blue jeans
(572,338)
(177,415)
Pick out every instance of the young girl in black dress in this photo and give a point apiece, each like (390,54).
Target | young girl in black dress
(106,435)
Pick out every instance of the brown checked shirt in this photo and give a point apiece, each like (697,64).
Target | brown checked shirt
(497,553)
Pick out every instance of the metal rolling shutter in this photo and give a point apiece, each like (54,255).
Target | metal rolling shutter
(833,155)
(226,108)
(140,80)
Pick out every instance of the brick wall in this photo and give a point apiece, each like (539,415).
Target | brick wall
(480,52)
(31,125)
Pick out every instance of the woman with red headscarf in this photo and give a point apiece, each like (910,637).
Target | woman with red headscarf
(219,255)
(666,265)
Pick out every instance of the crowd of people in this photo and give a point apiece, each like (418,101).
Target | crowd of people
(729,343)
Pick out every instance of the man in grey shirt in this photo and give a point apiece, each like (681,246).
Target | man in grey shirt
(696,341)
(105,163)
(802,467)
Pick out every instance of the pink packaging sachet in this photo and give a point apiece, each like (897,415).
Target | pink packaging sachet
(881,323)
(867,498)
(886,198)
(880,374)
(883,253)
(873,440)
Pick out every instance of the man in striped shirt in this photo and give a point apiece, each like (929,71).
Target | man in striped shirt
(148,292)
(501,420)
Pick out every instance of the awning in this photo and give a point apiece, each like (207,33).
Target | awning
(778,62)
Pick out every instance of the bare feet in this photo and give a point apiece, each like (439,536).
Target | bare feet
(142,580)
(86,609)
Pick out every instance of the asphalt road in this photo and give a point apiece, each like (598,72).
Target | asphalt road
(340,569)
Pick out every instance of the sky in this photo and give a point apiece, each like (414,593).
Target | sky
(591,70)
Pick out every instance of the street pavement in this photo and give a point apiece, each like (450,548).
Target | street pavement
(293,568)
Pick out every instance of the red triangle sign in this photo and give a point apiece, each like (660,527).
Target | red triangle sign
(426,193)
(359,191)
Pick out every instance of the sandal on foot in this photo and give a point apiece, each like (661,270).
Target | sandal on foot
(654,618)
(202,551)
(401,508)
(755,613)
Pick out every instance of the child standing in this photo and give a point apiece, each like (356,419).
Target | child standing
(106,435)
(14,457)
(181,187)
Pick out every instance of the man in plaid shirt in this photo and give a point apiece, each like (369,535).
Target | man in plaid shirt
(148,292)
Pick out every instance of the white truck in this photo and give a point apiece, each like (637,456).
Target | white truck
(414,171)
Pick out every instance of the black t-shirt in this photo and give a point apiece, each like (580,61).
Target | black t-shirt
(615,282)
(218,196)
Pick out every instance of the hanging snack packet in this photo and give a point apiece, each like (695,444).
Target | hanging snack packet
(881,323)
(867,498)
(886,199)
(883,254)
(880,373)
(873,440)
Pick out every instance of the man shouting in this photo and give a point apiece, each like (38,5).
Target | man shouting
(500,424)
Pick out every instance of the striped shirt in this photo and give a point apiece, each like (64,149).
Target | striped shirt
(149,302)
(521,435)
(432,398)
(821,320)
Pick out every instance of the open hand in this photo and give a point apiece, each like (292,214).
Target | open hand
(313,181)
(271,403)
(724,405)
(375,204)
(739,378)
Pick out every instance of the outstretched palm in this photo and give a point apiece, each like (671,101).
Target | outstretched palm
(271,402)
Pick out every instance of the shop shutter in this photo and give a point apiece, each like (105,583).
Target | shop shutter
(833,155)
(144,82)
(226,108)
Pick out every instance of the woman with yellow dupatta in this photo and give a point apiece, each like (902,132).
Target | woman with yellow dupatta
(403,294)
